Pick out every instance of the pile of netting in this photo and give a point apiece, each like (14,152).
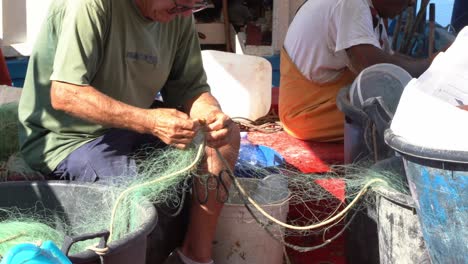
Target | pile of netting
(114,207)
(161,175)
(12,166)
(316,203)
(8,130)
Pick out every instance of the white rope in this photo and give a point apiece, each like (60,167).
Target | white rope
(333,219)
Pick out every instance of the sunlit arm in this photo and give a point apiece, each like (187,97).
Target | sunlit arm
(89,104)
(365,55)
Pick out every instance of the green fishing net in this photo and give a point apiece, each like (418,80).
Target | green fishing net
(8,130)
(116,207)
(319,201)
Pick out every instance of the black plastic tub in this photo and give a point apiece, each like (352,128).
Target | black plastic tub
(60,199)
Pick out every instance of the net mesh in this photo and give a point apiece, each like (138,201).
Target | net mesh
(316,202)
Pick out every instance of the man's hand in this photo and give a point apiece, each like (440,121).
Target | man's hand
(173,127)
(217,128)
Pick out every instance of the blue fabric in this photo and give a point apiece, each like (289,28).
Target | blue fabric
(47,253)
(253,155)
(110,155)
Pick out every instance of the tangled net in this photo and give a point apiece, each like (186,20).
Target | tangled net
(316,202)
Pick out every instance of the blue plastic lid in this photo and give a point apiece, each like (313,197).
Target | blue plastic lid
(47,253)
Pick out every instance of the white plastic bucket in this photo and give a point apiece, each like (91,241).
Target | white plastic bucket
(241,83)
(239,238)
(384,79)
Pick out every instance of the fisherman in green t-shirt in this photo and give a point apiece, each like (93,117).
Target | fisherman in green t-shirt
(95,70)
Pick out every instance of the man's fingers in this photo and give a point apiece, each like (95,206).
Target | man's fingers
(179,146)
(218,138)
(174,125)
(191,125)
(180,143)
(220,123)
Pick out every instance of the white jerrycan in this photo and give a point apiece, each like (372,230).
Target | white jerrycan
(241,83)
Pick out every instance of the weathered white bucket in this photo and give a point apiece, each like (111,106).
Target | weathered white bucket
(239,238)
(400,236)
(241,83)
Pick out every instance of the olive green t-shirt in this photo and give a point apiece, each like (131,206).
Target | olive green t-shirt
(109,45)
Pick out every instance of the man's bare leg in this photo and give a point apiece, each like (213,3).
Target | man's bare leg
(204,217)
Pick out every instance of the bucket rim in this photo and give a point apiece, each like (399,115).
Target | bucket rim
(114,246)
(391,69)
(344,105)
(404,147)
(396,197)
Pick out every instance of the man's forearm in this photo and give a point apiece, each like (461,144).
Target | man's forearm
(415,67)
(197,107)
(363,56)
(89,104)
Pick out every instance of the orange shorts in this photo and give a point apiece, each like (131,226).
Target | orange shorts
(308,110)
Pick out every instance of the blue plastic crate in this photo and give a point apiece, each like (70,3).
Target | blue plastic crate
(275,64)
(17,68)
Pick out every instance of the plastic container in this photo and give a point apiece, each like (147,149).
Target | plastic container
(438,181)
(384,79)
(170,230)
(239,238)
(58,197)
(275,64)
(369,104)
(46,253)
(399,233)
(241,83)
(356,121)
(17,68)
